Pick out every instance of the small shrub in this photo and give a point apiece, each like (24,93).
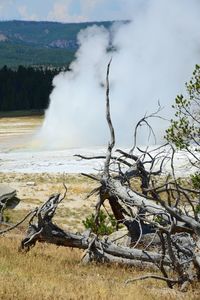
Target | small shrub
(106,224)
(196,180)
(5,216)
(159,219)
(197,209)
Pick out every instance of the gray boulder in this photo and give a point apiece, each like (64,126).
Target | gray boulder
(8,198)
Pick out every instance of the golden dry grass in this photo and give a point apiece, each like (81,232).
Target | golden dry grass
(50,272)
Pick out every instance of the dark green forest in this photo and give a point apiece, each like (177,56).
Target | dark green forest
(25,88)
(31,43)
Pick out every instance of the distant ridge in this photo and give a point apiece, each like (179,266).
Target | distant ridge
(40,43)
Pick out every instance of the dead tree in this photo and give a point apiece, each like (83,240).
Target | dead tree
(161,216)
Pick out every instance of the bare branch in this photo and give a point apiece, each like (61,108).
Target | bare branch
(111,144)
(150,276)
(20,222)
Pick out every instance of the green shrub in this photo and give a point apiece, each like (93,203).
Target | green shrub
(197,209)
(184,130)
(106,224)
(196,180)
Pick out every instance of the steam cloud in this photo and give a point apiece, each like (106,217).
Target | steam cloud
(154,56)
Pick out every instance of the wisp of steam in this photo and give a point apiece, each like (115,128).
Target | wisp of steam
(152,57)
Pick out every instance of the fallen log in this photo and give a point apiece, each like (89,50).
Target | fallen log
(102,249)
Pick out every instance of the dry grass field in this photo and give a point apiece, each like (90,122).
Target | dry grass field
(51,272)
(34,189)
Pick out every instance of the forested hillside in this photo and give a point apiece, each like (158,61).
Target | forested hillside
(39,43)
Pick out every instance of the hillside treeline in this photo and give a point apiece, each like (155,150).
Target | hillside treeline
(25,88)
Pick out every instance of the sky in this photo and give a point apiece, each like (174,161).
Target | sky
(66,10)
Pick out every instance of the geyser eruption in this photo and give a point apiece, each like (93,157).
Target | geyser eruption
(153,56)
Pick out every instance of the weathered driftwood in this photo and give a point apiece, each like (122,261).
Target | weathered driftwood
(43,230)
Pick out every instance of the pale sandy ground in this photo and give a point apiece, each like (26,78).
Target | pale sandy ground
(16,133)
(34,189)
(36,173)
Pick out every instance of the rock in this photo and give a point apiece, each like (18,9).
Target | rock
(3,37)
(8,196)
(150,239)
(120,238)
(8,199)
(31,183)
(6,193)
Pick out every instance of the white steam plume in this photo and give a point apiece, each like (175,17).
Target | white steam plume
(154,56)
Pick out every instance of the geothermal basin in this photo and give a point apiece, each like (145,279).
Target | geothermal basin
(21,153)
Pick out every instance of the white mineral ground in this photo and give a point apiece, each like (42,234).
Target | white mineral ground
(20,153)
(36,174)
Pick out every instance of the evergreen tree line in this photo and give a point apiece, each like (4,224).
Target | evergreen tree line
(25,88)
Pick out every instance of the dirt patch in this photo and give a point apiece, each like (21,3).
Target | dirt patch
(34,189)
